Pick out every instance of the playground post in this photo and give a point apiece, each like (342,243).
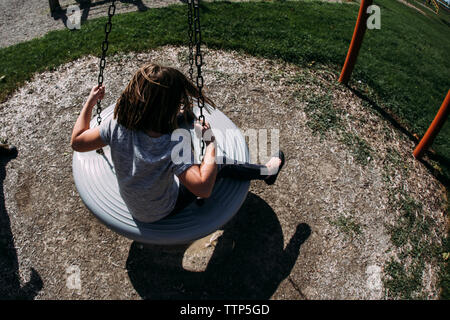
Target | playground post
(434,128)
(355,44)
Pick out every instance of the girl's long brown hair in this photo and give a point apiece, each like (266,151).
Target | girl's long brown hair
(153,99)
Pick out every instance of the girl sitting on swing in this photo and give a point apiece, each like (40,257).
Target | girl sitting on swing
(139,135)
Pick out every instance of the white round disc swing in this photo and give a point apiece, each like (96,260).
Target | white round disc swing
(97,185)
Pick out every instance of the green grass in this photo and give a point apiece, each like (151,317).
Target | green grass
(406,63)
(403,283)
(442,16)
(416,244)
(410,235)
(358,146)
(347,225)
(322,116)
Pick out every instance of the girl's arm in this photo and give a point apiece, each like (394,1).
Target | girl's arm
(83,137)
(200,179)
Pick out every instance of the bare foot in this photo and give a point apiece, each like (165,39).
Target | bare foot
(273,165)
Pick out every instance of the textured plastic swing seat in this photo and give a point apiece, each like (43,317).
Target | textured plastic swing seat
(97,185)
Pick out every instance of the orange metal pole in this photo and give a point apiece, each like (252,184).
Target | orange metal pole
(355,45)
(434,128)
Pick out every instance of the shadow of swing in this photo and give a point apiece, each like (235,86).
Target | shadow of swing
(248,262)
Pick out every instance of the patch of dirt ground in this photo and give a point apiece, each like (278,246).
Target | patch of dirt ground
(323,231)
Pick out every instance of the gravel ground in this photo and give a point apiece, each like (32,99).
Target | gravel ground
(283,244)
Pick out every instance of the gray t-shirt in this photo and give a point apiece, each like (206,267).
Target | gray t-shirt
(144,169)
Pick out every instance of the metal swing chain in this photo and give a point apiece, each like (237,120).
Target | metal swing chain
(199,63)
(191,39)
(105,45)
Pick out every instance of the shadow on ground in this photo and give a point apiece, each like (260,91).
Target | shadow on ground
(442,176)
(10,287)
(248,262)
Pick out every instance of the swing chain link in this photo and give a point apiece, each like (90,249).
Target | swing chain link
(191,39)
(105,45)
(198,64)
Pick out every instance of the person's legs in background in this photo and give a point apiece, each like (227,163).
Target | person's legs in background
(7,150)
(55,7)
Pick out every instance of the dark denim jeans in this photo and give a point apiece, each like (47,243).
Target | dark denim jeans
(228,169)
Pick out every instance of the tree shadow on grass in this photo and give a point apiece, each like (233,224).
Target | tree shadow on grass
(248,262)
(10,287)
